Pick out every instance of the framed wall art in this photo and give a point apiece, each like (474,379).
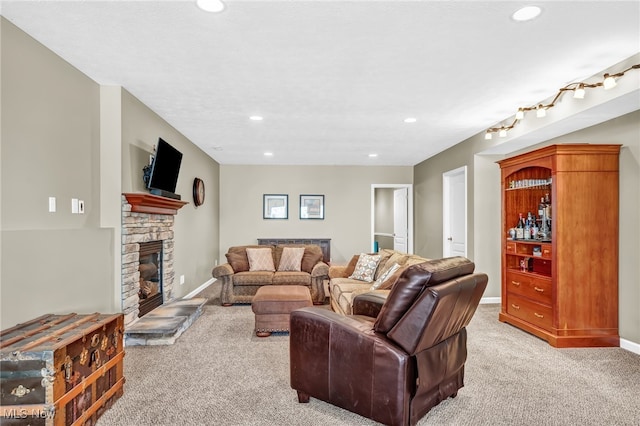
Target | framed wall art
(311,206)
(275,206)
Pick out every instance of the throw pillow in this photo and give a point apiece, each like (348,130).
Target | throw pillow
(384,276)
(260,259)
(237,258)
(383,264)
(392,279)
(366,267)
(351,266)
(310,258)
(291,259)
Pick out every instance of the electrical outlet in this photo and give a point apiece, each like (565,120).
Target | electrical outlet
(215,262)
(181,279)
(74,205)
(81,206)
(52,204)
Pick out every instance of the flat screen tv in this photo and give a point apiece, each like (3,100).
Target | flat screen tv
(164,170)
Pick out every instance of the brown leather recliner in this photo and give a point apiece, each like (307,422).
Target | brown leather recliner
(393,368)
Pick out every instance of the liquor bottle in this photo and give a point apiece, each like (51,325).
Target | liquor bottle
(527,228)
(534,229)
(541,207)
(547,205)
(520,228)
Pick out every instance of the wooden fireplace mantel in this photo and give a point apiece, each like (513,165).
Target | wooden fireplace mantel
(154,204)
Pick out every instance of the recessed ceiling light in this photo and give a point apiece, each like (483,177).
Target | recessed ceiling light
(526,13)
(373,155)
(268,154)
(256,118)
(410,120)
(210,5)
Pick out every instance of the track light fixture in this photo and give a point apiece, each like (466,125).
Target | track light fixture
(609,82)
(578,90)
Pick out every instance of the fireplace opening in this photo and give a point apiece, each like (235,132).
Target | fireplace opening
(150,267)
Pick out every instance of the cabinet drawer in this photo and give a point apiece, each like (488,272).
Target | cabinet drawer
(529,311)
(511,247)
(546,250)
(534,287)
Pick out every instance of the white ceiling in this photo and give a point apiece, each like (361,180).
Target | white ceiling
(334,80)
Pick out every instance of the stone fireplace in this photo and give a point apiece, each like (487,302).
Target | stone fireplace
(147,221)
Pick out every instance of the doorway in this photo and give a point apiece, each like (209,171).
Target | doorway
(392,217)
(454,215)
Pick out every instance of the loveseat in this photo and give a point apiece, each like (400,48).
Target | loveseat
(395,366)
(377,273)
(250,267)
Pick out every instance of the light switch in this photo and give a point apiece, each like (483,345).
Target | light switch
(74,205)
(81,206)
(52,204)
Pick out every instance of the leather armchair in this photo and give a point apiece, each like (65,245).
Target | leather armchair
(395,367)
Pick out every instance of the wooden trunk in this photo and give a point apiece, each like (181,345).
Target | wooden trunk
(61,369)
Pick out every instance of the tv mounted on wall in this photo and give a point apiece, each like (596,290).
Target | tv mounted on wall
(161,176)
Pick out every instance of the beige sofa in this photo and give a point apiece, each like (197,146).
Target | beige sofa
(342,289)
(240,283)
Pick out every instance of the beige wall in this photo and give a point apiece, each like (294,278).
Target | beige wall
(52,262)
(196,231)
(347,191)
(484,211)
(65,136)
(196,228)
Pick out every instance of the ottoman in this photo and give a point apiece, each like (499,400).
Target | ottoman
(272,305)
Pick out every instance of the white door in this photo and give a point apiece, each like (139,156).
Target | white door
(400,220)
(455,212)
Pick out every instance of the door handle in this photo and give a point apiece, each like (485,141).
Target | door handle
(449,239)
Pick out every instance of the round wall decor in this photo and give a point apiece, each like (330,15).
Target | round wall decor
(198,191)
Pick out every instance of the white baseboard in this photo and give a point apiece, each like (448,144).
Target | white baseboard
(630,346)
(199,289)
(490,300)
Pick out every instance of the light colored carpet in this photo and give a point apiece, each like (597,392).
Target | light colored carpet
(220,373)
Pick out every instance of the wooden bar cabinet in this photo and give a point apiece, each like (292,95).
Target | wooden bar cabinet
(563,286)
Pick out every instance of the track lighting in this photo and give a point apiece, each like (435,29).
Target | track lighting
(578,90)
